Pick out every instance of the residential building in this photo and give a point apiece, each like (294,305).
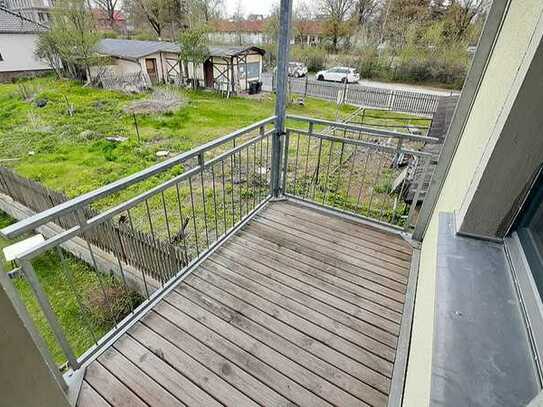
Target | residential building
(35,10)
(18,40)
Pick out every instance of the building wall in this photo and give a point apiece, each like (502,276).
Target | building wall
(510,58)
(17,52)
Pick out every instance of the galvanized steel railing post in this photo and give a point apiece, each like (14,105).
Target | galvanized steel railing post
(281,97)
(48,312)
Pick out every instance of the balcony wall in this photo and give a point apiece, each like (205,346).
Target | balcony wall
(508,63)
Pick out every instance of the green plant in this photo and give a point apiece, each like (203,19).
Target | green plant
(113,304)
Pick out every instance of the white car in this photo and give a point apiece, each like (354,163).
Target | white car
(339,74)
(297,69)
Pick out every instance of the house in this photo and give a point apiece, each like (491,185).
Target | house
(18,40)
(302,301)
(242,32)
(229,68)
(157,59)
(35,10)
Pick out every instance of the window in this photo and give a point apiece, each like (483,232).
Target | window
(530,233)
(253,70)
(1,57)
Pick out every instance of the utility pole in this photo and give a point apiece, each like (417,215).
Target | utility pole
(285,16)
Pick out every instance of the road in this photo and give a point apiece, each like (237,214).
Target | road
(267,86)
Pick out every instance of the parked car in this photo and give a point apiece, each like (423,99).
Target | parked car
(339,74)
(297,69)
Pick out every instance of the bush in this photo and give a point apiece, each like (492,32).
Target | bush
(314,58)
(117,303)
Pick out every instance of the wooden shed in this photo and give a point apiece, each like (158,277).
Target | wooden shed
(229,68)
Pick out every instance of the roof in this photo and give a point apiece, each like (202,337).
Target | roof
(134,49)
(233,51)
(13,23)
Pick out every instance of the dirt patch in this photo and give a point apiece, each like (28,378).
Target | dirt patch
(160,101)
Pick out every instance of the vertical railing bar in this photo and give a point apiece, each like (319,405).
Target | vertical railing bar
(254,176)
(140,258)
(201,164)
(402,189)
(338,182)
(377,177)
(364,172)
(418,192)
(306,185)
(267,160)
(317,169)
(285,161)
(232,189)
(166,217)
(247,180)
(348,191)
(126,289)
(149,218)
(47,309)
(215,202)
(327,172)
(223,196)
(71,283)
(194,217)
(240,189)
(182,220)
(296,162)
(260,166)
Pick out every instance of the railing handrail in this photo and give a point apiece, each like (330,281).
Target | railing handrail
(362,143)
(365,130)
(41,218)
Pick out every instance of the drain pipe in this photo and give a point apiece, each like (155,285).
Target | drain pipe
(283,41)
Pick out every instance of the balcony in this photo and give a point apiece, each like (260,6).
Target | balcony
(268,270)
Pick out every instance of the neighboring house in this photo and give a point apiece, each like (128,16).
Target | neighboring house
(35,10)
(18,39)
(104,24)
(158,59)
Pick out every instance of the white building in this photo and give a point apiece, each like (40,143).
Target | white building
(18,39)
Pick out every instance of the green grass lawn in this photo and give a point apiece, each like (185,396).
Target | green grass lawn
(58,288)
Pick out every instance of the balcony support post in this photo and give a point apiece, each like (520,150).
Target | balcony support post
(281,96)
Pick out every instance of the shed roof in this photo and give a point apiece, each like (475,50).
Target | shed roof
(16,23)
(233,51)
(134,49)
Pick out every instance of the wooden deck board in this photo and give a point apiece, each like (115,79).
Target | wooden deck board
(298,308)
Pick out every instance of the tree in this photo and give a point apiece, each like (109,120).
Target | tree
(163,17)
(303,21)
(337,13)
(203,11)
(71,39)
(365,10)
(194,48)
(109,8)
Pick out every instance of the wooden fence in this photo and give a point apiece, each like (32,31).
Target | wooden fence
(387,99)
(158,259)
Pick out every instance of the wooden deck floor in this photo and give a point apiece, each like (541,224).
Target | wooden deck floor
(298,308)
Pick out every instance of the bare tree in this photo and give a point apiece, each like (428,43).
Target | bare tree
(238,20)
(337,13)
(365,10)
(303,20)
(109,8)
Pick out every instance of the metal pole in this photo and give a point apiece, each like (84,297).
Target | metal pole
(281,98)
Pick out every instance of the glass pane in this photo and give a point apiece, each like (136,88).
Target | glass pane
(530,231)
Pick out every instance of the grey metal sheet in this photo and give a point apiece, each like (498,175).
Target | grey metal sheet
(481,356)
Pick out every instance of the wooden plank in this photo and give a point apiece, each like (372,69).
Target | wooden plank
(163,373)
(351,275)
(146,387)
(346,226)
(311,354)
(323,246)
(393,300)
(270,367)
(110,388)
(204,367)
(338,238)
(325,255)
(88,397)
(317,326)
(344,312)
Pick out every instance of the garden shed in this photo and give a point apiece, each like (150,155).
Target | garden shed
(159,60)
(230,68)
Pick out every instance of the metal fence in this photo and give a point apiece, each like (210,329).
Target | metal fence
(199,198)
(394,100)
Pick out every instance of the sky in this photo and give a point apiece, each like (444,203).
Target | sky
(249,6)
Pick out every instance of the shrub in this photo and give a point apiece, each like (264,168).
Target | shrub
(117,303)
(314,58)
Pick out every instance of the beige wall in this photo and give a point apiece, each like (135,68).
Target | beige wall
(520,34)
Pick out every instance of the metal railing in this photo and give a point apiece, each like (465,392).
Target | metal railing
(358,170)
(193,201)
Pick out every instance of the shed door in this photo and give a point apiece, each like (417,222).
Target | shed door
(150,65)
(208,73)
